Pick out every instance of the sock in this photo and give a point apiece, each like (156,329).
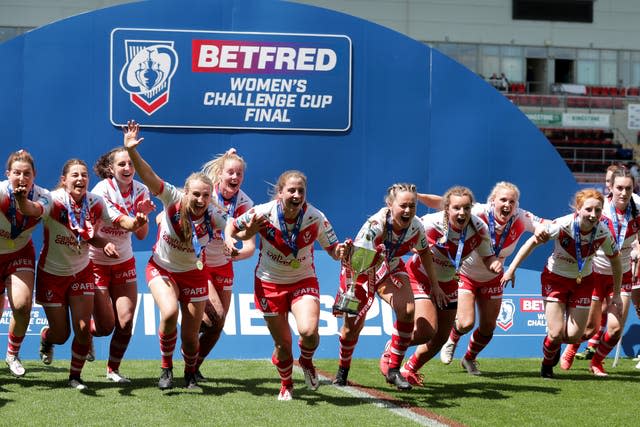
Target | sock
(604,348)
(346,351)
(117,347)
(455,335)
(285,370)
(13,344)
(78,356)
(306,354)
(190,360)
(399,343)
(549,351)
(207,341)
(595,339)
(476,344)
(167,346)
(414,364)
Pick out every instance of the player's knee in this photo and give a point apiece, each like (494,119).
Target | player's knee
(211,329)
(464,325)
(58,337)
(103,330)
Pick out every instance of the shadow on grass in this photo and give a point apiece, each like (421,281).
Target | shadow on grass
(491,386)
(446,395)
(259,388)
(576,373)
(4,402)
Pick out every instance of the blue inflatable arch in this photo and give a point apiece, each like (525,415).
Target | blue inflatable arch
(399,111)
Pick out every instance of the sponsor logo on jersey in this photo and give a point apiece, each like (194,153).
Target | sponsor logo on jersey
(82,286)
(194,291)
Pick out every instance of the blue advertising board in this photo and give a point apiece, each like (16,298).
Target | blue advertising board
(394,110)
(231,80)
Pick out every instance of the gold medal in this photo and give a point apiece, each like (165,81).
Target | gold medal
(199,265)
(579,279)
(295,263)
(11,244)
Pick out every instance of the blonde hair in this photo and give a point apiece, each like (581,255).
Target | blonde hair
(459,191)
(214,167)
(185,221)
(392,192)
(503,185)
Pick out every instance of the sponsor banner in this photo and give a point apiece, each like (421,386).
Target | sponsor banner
(520,329)
(633,116)
(545,119)
(230,80)
(573,120)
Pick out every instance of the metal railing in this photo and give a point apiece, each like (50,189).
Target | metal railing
(565,102)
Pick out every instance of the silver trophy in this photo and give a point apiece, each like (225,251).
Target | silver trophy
(360,260)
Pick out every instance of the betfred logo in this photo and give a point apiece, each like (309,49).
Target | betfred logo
(531,305)
(231,56)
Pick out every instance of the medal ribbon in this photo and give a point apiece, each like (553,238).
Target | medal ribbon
(231,209)
(620,232)
(231,202)
(13,211)
(388,241)
(290,239)
(576,238)
(120,203)
(197,247)
(78,226)
(497,246)
(463,235)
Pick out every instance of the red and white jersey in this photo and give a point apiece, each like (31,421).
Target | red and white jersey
(523,221)
(61,254)
(27,224)
(277,263)
(601,263)
(476,239)
(563,259)
(118,205)
(215,249)
(170,251)
(375,232)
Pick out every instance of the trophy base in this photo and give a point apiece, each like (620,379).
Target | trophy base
(347,305)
